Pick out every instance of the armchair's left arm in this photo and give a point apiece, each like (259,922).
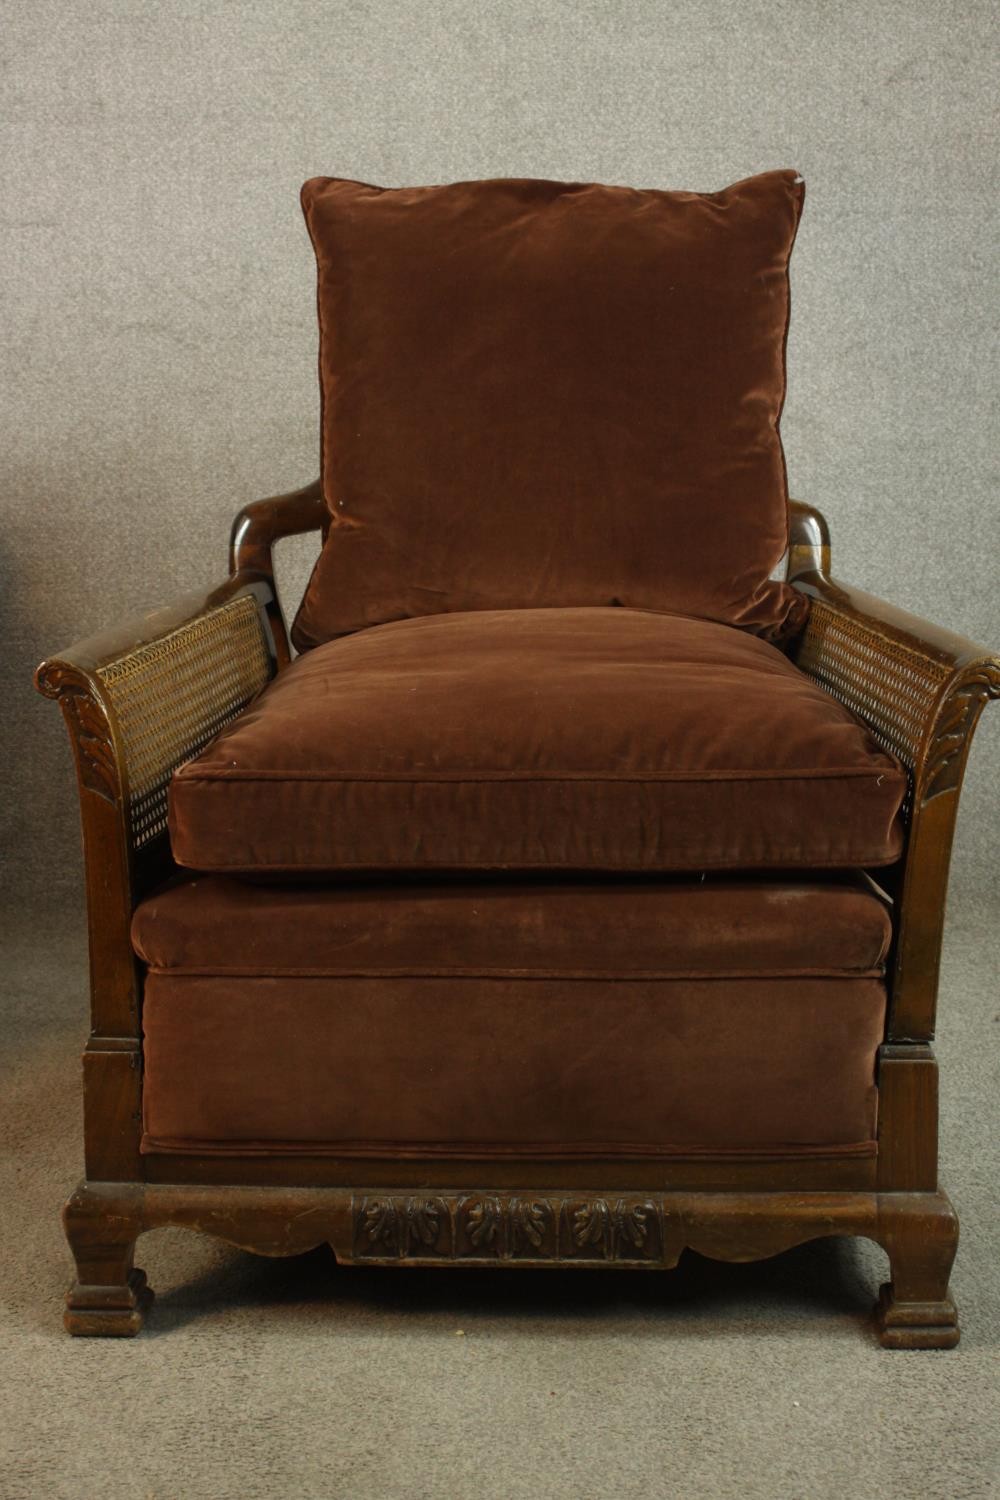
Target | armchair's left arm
(139,700)
(148,694)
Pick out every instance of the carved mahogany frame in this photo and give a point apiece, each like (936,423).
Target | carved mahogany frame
(921,690)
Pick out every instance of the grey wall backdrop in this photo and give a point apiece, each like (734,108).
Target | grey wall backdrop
(159,360)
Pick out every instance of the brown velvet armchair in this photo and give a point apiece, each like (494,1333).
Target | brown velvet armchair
(374,965)
(141,700)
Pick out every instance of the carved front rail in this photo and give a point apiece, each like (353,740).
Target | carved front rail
(920,689)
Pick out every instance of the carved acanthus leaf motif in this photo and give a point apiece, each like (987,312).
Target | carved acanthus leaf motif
(484,1221)
(943,765)
(629,1222)
(422,1221)
(590,1222)
(396,1225)
(381,1222)
(493,1227)
(94,748)
(528,1221)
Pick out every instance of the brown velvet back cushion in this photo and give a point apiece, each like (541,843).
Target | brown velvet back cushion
(545,393)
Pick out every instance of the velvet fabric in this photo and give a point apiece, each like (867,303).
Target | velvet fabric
(586,1018)
(551,739)
(546,393)
(583,927)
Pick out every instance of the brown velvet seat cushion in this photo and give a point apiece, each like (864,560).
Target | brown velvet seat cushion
(588,1017)
(548,393)
(552,739)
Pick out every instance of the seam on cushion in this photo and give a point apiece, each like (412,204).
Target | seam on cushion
(185,971)
(779,861)
(761,666)
(800,200)
(463,1149)
(833,773)
(300,612)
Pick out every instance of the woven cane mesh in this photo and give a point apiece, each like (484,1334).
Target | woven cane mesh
(889,686)
(174,695)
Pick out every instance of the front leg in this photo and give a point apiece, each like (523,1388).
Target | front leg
(919,1232)
(110,1296)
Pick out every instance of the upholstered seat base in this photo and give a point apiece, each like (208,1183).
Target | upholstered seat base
(500,1019)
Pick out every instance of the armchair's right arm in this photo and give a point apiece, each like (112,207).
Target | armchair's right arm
(920,689)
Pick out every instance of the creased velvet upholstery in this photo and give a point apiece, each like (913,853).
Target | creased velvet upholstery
(551,739)
(584,1017)
(546,393)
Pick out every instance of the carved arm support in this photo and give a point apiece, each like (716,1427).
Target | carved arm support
(261,523)
(920,689)
(256,529)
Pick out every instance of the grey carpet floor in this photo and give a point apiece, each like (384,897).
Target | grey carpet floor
(298,1379)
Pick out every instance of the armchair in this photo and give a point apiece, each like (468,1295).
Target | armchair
(526,917)
(141,700)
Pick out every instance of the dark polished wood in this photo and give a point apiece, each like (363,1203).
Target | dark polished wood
(908,1106)
(414,1211)
(110,1296)
(256,529)
(857,1173)
(592,1228)
(260,524)
(919,1233)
